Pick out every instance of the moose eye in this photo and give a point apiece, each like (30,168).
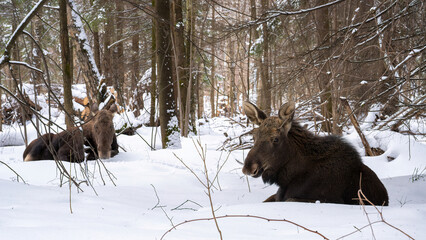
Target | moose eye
(275,140)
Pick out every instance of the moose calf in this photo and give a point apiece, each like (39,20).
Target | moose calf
(307,167)
(98,133)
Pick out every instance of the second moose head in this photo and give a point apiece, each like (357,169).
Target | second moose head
(100,135)
(307,167)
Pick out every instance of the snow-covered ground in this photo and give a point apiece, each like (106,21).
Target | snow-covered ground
(153,190)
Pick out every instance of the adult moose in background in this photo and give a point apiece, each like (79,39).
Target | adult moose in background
(99,133)
(64,146)
(304,166)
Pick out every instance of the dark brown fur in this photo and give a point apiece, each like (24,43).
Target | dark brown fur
(307,167)
(99,134)
(66,146)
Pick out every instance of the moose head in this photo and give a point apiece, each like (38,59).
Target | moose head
(270,141)
(103,130)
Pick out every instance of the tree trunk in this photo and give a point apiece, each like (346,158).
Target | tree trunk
(37,33)
(135,90)
(323,29)
(180,60)
(109,31)
(199,88)
(170,136)
(84,51)
(265,92)
(213,69)
(96,43)
(66,63)
(231,65)
(153,89)
(191,104)
(118,59)
(257,58)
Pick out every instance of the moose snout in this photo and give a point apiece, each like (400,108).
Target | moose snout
(252,170)
(105,155)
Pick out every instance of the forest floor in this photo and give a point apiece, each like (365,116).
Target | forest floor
(154,190)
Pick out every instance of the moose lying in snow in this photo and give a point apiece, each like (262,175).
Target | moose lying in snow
(66,145)
(98,133)
(307,167)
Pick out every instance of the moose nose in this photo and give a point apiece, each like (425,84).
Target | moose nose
(104,155)
(251,170)
(245,171)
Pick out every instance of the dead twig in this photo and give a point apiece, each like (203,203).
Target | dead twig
(362,198)
(201,151)
(245,216)
(157,205)
(180,205)
(230,146)
(17,174)
(351,115)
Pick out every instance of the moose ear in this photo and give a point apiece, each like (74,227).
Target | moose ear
(95,108)
(113,108)
(286,114)
(253,113)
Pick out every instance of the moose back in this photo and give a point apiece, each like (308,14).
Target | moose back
(307,167)
(98,134)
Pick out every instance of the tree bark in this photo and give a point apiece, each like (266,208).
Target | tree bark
(265,92)
(180,60)
(231,65)
(119,60)
(84,51)
(135,90)
(323,30)
(170,136)
(66,63)
(213,69)
(109,31)
(153,89)
(190,124)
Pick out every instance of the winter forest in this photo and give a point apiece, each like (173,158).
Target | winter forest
(212,119)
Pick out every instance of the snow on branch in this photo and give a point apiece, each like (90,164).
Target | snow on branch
(301,11)
(82,37)
(269,15)
(91,74)
(26,65)
(5,58)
